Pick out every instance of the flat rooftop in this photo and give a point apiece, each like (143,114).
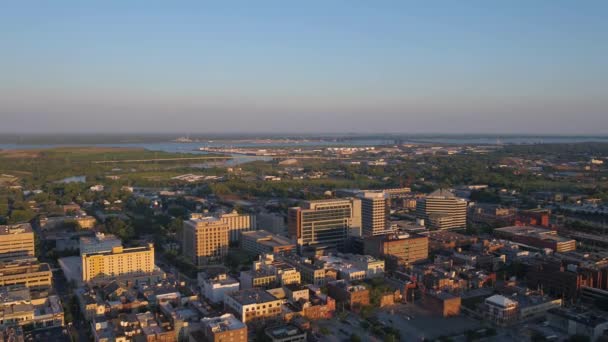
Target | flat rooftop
(267,238)
(99,237)
(284,331)
(225,322)
(540,233)
(252,296)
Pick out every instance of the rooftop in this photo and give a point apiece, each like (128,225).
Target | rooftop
(284,331)
(252,296)
(540,233)
(222,323)
(444,193)
(501,301)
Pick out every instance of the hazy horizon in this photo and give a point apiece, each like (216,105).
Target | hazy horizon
(308,68)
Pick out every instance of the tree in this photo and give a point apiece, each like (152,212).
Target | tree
(120,228)
(18,216)
(355,338)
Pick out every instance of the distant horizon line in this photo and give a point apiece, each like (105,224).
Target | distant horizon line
(295,134)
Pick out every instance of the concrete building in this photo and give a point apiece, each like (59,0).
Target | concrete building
(28,273)
(205,240)
(500,310)
(16,242)
(442,210)
(405,248)
(374,214)
(312,273)
(215,287)
(99,243)
(576,321)
(238,223)
(354,266)
(119,262)
(285,333)
(19,307)
(262,242)
(271,222)
(253,305)
(537,237)
(323,222)
(225,328)
(267,271)
(354,296)
(444,304)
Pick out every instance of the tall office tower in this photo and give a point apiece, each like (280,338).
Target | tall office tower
(322,223)
(205,240)
(374,213)
(238,223)
(442,210)
(16,242)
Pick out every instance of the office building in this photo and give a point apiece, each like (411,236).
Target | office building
(271,222)
(405,248)
(262,242)
(537,237)
(374,213)
(16,242)
(99,243)
(119,262)
(225,328)
(205,240)
(214,287)
(238,223)
(442,210)
(322,222)
(500,310)
(253,304)
(28,273)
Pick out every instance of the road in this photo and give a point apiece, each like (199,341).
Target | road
(79,327)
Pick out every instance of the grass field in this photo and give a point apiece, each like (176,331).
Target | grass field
(40,166)
(96,154)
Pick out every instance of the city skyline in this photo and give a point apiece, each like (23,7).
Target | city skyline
(343,67)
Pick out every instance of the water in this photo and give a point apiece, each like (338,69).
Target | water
(73,179)
(193,147)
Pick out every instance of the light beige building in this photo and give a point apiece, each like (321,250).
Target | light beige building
(374,213)
(253,304)
(16,242)
(205,240)
(238,223)
(28,273)
(442,210)
(119,262)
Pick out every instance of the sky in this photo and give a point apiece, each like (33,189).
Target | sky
(529,67)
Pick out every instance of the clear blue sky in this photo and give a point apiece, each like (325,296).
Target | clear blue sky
(307,66)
